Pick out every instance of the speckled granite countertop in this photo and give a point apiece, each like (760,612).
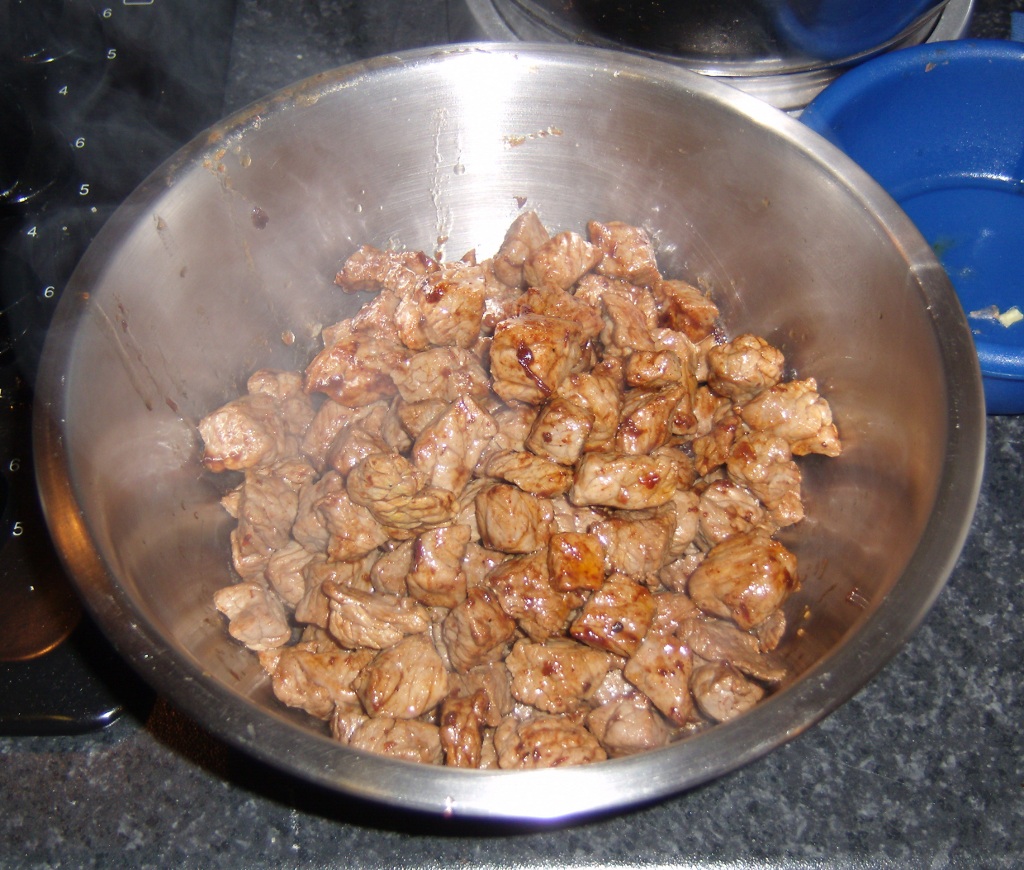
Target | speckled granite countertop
(923,768)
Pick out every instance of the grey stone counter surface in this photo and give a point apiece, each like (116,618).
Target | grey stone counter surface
(923,768)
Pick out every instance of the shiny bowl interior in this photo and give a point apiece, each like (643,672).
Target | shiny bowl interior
(233,244)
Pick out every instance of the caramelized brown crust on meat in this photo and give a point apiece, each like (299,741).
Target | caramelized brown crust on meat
(518,512)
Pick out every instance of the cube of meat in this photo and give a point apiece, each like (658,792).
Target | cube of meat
(284,572)
(712,450)
(479,562)
(477,630)
(652,369)
(672,610)
(522,238)
(436,578)
(314,681)
(743,367)
(763,463)
(327,424)
(255,615)
(544,741)
(355,442)
(561,430)
(563,305)
(391,568)
(499,304)
(265,510)
(637,548)
(528,471)
(683,308)
(461,728)
(372,619)
(514,423)
(295,407)
(770,632)
(728,509)
(531,355)
(513,521)
(627,726)
(391,488)
(794,410)
(346,720)
(708,408)
(560,262)
(686,503)
(399,738)
(525,593)
(627,252)
(310,527)
(625,325)
(744,578)
(661,669)
(443,308)
(376,318)
(621,481)
(494,681)
(312,610)
(600,392)
(576,561)
(593,287)
(723,693)
(716,640)
(370,268)
(570,518)
(445,373)
(614,687)
(244,433)
(676,575)
(414,417)
(356,369)
(687,352)
(646,418)
(616,617)
(403,681)
(448,449)
(556,676)
(684,420)
(354,532)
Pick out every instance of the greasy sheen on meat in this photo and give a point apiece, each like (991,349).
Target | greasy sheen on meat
(518,512)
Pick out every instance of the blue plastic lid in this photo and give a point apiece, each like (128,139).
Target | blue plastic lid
(941,128)
(838,29)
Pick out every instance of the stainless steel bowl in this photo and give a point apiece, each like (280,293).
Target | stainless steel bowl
(233,243)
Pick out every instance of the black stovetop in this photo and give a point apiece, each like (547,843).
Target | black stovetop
(94,94)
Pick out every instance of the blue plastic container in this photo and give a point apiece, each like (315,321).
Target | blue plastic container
(839,29)
(941,128)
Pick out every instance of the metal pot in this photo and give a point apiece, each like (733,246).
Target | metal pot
(783,51)
(222,263)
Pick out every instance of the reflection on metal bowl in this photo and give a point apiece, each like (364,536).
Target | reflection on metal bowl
(235,241)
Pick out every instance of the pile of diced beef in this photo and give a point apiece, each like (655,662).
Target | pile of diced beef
(518,512)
